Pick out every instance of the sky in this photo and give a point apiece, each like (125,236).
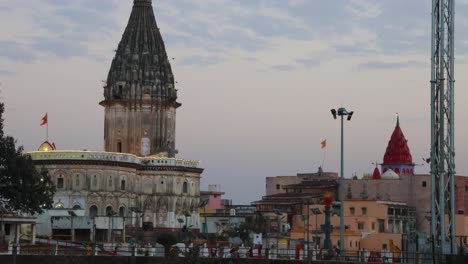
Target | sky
(256,79)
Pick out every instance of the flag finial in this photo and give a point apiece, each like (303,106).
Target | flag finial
(397,120)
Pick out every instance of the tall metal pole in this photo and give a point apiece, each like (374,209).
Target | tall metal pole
(442,126)
(342,227)
(308,226)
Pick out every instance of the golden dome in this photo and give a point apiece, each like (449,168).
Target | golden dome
(46,146)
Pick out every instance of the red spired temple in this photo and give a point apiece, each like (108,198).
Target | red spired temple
(397,156)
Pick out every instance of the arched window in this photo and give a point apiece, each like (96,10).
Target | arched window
(119,146)
(122,185)
(122,211)
(60,183)
(93,211)
(185,187)
(109,210)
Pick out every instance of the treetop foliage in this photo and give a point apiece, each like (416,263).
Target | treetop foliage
(22,187)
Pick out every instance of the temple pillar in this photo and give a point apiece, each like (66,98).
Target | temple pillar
(33,234)
(17,233)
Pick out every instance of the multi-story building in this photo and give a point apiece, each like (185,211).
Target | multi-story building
(405,195)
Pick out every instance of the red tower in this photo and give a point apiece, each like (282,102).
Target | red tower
(398,156)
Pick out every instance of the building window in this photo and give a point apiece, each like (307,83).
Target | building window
(381,224)
(364,210)
(110,181)
(122,211)
(119,146)
(185,187)
(352,210)
(424,184)
(277,186)
(93,211)
(109,211)
(77,180)
(122,185)
(360,226)
(94,180)
(466,188)
(60,183)
(373,225)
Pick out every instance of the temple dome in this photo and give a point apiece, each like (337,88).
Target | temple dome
(390,174)
(47,146)
(397,150)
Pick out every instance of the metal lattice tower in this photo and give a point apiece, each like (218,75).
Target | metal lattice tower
(442,126)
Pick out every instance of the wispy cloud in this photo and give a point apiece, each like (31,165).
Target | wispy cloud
(283,67)
(201,60)
(381,65)
(6,72)
(364,8)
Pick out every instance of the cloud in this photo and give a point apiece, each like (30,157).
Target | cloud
(201,60)
(309,62)
(6,73)
(364,8)
(16,52)
(381,65)
(283,67)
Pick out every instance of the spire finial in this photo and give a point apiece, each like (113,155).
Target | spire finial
(397,120)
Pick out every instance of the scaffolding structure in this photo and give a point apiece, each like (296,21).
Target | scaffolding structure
(442,128)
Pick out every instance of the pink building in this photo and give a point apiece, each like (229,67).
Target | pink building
(213,195)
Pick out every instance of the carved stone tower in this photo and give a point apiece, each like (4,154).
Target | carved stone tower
(140,99)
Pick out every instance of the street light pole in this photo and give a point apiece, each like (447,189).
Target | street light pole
(342,227)
(342,112)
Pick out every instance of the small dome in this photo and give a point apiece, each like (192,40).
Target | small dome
(46,146)
(390,174)
(376,174)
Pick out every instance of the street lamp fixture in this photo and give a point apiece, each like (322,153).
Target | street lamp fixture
(342,112)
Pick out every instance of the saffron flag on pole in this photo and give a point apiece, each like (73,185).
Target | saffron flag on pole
(323,143)
(44,120)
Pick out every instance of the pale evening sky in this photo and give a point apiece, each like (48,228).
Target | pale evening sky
(257,80)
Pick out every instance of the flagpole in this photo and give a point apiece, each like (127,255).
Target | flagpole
(324,155)
(47,131)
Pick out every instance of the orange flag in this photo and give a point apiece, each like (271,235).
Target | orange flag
(44,120)
(323,143)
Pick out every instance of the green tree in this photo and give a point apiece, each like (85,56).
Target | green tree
(22,187)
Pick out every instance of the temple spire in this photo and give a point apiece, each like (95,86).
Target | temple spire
(142,2)
(397,120)
(140,96)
